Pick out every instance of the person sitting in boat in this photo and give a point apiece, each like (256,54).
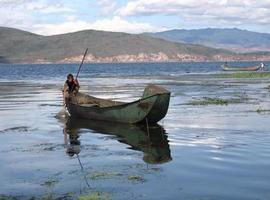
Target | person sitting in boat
(262,67)
(71,87)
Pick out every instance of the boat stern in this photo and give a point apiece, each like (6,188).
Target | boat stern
(161,105)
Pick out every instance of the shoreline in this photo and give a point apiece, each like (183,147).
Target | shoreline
(135,62)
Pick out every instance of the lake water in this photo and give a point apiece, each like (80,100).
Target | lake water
(198,152)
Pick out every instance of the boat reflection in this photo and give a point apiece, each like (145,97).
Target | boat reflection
(152,141)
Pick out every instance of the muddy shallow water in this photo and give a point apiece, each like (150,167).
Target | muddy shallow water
(197,152)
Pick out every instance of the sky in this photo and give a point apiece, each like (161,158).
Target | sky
(50,17)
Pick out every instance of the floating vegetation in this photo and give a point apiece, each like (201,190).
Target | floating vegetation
(136,178)
(218,101)
(136,166)
(50,183)
(209,101)
(261,110)
(6,197)
(245,75)
(104,175)
(48,197)
(95,196)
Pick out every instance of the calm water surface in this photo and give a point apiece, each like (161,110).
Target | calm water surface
(196,153)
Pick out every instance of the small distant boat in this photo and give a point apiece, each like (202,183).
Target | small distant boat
(151,108)
(225,67)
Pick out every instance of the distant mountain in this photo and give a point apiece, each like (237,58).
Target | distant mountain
(232,39)
(17,46)
(21,46)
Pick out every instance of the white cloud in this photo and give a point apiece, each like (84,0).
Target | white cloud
(115,24)
(21,13)
(25,12)
(13,14)
(14,2)
(106,7)
(200,11)
(43,7)
(150,7)
(31,5)
(53,17)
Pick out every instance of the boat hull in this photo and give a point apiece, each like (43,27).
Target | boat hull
(152,107)
(252,68)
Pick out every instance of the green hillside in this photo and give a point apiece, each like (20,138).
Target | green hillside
(20,46)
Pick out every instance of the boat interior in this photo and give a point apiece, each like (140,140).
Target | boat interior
(90,101)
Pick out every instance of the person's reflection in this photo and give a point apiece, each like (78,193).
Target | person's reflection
(72,144)
(71,139)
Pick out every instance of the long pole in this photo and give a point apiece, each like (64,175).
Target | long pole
(78,71)
(80,66)
(86,50)
(86,181)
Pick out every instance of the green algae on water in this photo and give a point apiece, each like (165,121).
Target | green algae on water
(245,75)
(209,101)
(136,178)
(50,183)
(95,196)
(261,110)
(49,196)
(7,197)
(204,101)
(104,175)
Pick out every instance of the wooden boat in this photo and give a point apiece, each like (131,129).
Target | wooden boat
(250,68)
(151,108)
(152,142)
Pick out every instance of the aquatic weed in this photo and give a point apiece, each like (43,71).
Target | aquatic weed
(49,196)
(245,75)
(136,178)
(104,175)
(209,101)
(50,183)
(95,196)
(7,197)
(240,98)
(261,110)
